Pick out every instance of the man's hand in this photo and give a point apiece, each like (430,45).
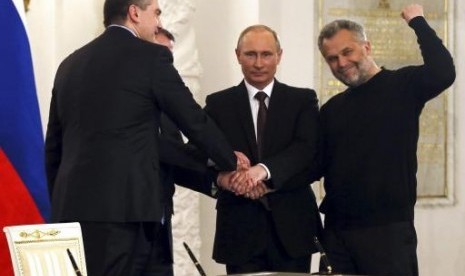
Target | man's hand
(260,190)
(225,179)
(246,180)
(243,181)
(411,11)
(257,173)
(243,161)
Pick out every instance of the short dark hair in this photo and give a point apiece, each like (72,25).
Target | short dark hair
(259,28)
(115,11)
(330,29)
(166,33)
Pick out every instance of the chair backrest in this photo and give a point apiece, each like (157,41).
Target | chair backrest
(41,249)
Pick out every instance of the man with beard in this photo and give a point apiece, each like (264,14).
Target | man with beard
(370,134)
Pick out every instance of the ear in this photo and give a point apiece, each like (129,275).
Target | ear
(238,54)
(367,47)
(280,53)
(133,13)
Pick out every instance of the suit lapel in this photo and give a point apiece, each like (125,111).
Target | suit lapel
(274,122)
(244,114)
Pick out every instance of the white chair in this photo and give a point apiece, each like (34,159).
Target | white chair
(41,249)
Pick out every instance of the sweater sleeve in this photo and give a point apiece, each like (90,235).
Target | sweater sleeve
(438,71)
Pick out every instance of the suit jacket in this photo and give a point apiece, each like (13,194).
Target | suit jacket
(102,150)
(181,164)
(289,149)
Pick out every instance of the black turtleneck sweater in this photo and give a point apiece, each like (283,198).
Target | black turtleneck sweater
(370,136)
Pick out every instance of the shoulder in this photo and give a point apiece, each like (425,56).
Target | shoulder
(333,101)
(223,95)
(297,95)
(119,42)
(295,91)
(119,39)
(396,80)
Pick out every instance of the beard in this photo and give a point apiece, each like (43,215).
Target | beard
(360,75)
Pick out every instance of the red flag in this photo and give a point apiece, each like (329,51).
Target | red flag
(23,190)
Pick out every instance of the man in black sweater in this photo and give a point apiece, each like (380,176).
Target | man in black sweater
(370,133)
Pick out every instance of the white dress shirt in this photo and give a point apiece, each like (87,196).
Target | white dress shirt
(254,108)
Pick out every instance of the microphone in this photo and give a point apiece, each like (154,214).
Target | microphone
(73,263)
(194,260)
(323,256)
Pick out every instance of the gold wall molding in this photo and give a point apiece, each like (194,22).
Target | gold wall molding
(37,234)
(26,5)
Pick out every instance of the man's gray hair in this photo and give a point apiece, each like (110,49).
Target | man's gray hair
(330,29)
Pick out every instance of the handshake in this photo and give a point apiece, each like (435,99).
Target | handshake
(246,180)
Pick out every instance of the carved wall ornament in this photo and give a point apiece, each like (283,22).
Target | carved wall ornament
(26,5)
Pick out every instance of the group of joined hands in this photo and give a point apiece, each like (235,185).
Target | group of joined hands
(246,180)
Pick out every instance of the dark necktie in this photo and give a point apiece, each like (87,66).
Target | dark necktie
(261,120)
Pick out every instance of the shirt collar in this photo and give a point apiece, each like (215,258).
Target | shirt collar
(124,27)
(252,90)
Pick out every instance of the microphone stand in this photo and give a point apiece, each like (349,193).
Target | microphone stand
(194,260)
(323,257)
(73,263)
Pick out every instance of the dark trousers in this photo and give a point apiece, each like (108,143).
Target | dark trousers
(155,256)
(385,250)
(272,258)
(127,249)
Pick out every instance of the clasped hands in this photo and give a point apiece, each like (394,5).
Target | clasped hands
(246,180)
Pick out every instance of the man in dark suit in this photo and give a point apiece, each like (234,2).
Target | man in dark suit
(182,164)
(179,164)
(102,150)
(275,232)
